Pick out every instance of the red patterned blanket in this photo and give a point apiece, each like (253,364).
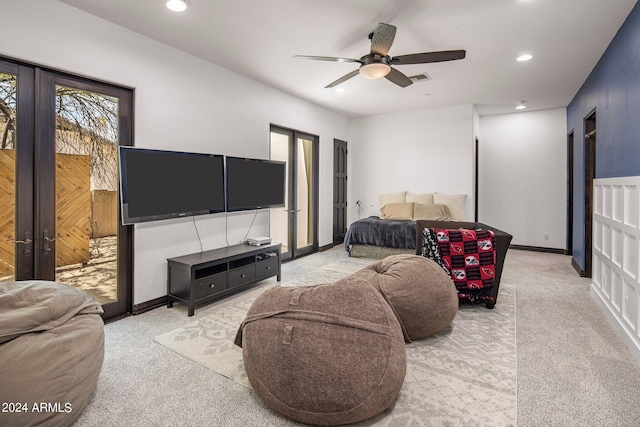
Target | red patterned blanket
(470,256)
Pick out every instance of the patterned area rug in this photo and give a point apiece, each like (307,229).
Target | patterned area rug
(464,376)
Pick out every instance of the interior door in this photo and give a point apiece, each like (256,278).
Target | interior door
(296,225)
(339,190)
(58,177)
(589,176)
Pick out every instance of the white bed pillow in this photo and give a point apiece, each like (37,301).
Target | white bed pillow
(455,203)
(423,199)
(400,197)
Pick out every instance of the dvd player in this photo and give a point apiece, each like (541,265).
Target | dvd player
(257,241)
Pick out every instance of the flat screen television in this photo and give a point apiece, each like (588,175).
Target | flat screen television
(255,183)
(157,184)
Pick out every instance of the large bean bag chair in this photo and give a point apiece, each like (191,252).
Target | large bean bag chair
(420,292)
(328,354)
(51,352)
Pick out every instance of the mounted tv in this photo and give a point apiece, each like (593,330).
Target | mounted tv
(255,184)
(156,184)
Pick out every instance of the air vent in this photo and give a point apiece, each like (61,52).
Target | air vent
(424,77)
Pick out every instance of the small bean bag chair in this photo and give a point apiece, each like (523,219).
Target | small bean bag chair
(328,354)
(420,292)
(51,352)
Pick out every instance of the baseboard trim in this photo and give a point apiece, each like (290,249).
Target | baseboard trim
(326,247)
(539,249)
(149,305)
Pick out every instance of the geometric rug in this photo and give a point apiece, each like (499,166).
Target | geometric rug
(463,376)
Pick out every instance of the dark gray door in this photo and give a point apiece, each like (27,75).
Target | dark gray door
(339,190)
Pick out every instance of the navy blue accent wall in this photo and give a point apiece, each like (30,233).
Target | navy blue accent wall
(613,91)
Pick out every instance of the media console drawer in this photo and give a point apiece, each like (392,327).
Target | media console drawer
(210,285)
(239,276)
(266,267)
(209,275)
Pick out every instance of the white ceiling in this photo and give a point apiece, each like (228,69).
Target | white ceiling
(258,39)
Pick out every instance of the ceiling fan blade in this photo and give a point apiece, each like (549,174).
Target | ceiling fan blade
(382,38)
(428,57)
(398,78)
(326,58)
(343,79)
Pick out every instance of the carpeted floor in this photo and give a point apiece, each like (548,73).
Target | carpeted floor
(572,368)
(451,377)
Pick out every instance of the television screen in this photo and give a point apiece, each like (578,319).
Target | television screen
(156,184)
(255,184)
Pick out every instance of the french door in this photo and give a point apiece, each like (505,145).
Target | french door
(296,225)
(58,182)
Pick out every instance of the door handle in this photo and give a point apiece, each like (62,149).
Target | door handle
(45,235)
(292,210)
(27,242)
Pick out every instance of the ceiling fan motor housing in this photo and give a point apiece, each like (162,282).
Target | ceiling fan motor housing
(375,66)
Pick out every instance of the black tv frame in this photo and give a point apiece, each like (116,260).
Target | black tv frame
(231,207)
(128,219)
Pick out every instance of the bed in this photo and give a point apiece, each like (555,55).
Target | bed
(394,230)
(374,237)
(403,226)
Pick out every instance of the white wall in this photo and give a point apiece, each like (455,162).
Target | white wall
(522,176)
(422,151)
(181,102)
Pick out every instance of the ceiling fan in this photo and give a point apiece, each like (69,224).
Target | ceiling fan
(378,64)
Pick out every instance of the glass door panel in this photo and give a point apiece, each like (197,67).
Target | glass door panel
(304,193)
(86,191)
(279,217)
(295,226)
(8,144)
(59,220)
(16,172)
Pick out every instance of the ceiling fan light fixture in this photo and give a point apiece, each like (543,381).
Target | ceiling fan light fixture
(177,5)
(375,70)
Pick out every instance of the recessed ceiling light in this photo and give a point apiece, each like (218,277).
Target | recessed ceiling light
(177,5)
(524,57)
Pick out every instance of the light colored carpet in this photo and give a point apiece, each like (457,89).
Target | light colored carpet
(573,369)
(465,375)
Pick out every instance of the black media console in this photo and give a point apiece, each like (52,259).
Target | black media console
(206,276)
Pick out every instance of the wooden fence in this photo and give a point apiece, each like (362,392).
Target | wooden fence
(73,208)
(104,213)
(81,214)
(7,210)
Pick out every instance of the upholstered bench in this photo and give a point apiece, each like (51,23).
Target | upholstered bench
(502,239)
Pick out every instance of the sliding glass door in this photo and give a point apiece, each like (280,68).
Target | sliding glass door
(58,182)
(296,226)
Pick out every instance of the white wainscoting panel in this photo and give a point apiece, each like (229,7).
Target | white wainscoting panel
(615,281)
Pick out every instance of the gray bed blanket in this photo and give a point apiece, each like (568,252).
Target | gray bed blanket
(388,233)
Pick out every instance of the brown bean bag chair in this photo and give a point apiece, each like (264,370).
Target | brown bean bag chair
(420,292)
(328,354)
(51,352)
